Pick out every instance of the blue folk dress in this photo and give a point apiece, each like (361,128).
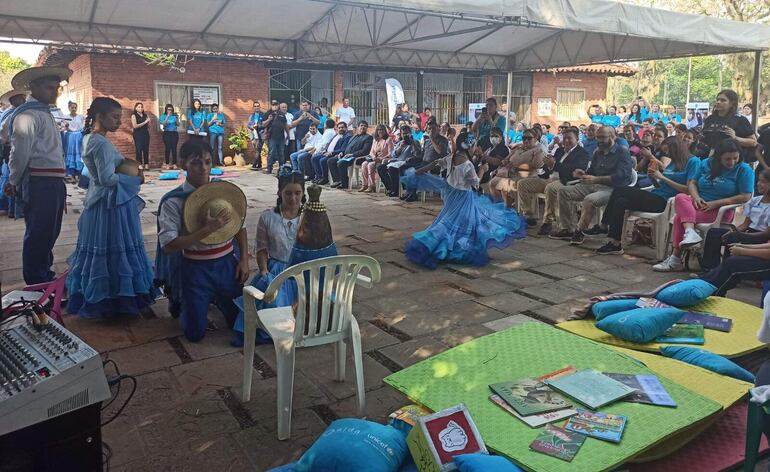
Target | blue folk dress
(467,226)
(110,272)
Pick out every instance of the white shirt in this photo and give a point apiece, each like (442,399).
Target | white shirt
(77,123)
(345,114)
(276,235)
(333,143)
(327,137)
(758,213)
(763,335)
(462,177)
(313,140)
(289,119)
(36,142)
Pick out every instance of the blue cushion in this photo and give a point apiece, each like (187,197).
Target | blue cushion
(686,293)
(171,175)
(216,171)
(708,360)
(479,462)
(640,325)
(606,308)
(352,444)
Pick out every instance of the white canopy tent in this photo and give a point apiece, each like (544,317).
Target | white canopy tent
(492,35)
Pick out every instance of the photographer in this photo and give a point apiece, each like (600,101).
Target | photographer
(488,119)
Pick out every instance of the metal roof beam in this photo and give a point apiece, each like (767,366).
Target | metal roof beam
(214,18)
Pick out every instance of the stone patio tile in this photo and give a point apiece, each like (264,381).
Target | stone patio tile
(265,451)
(262,408)
(510,264)
(373,337)
(379,404)
(155,393)
(411,352)
(507,322)
(323,376)
(562,311)
(304,423)
(560,271)
(102,335)
(522,278)
(123,437)
(305,357)
(144,331)
(553,293)
(416,323)
(216,343)
(145,357)
(588,284)
(593,264)
(482,287)
(511,303)
(435,296)
(205,453)
(455,336)
(204,378)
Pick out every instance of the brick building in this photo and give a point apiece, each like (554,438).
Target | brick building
(545,96)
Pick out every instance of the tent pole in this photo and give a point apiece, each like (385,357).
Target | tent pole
(689,78)
(508,107)
(756,89)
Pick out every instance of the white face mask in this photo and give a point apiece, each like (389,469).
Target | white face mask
(495,141)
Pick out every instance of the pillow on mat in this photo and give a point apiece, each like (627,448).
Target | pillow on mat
(479,462)
(171,175)
(606,308)
(686,293)
(352,444)
(640,325)
(708,360)
(216,171)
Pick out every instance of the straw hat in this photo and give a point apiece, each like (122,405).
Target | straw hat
(211,198)
(23,78)
(6,97)
(128,167)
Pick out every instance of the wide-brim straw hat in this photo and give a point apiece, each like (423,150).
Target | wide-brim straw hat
(23,78)
(210,199)
(6,97)
(128,167)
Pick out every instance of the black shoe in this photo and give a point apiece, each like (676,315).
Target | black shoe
(411,197)
(531,222)
(545,229)
(323,182)
(577,238)
(308,179)
(392,194)
(253,167)
(609,249)
(336,185)
(564,235)
(595,231)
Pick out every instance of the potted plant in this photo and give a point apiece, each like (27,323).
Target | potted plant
(239,142)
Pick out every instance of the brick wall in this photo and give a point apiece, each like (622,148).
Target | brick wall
(127,79)
(546,85)
(79,84)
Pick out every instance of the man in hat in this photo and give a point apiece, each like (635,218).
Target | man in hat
(14,98)
(36,165)
(192,272)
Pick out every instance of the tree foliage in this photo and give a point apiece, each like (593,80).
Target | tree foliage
(9,66)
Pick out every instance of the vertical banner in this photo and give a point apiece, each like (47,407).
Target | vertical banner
(395,96)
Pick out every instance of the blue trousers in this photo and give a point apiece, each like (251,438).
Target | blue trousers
(296,160)
(205,282)
(320,167)
(276,147)
(43,217)
(215,141)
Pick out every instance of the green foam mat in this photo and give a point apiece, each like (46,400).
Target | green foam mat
(462,374)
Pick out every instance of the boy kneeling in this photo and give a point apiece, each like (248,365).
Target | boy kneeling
(196,261)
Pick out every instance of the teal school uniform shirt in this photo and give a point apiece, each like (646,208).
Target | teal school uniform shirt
(739,179)
(196,120)
(598,119)
(678,176)
(169,122)
(216,128)
(611,120)
(515,136)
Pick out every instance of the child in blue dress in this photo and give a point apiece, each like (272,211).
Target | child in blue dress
(110,272)
(469,223)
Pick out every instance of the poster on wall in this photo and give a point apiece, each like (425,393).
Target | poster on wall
(544,106)
(207,95)
(474,110)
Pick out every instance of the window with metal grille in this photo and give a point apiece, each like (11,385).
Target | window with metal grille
(294,85)
(180,95)
(366,91)
(570,104)
(521,93)
(473,92)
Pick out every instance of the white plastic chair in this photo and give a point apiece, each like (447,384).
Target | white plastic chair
(324,316)
(703,228)
(662,222)
(354,172)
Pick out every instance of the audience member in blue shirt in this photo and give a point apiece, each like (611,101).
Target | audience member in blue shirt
(611,118)
(548,135)
(590,143)
(196,119)
(169,121)
(672,116)
(488,119)
(635,117)
(657,115)
(595,114)
(676,161)
(216,122)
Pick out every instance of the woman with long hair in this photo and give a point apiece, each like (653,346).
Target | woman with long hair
(196,120)
(720,180)
(110,272)
(379,152)
(140,122)
(169,121)
(635,117)
(725,122)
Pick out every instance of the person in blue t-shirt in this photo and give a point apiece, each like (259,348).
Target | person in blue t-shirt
(595,114)
(516,133)
(635,117)
(169,122)
(590,143)
(196,120)
(720,180)
(611,118)
(488,119)
(657,115)
(676,161)
(548,135)
(216,123)
(672,116)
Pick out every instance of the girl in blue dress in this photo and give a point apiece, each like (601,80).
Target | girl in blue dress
(110,273)
(469,224)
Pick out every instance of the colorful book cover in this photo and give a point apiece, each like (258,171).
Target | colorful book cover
(558,442)
(591,388)
(683,334)
(530,396)
(648,388)
(717,323)
(533,420)
(557,373)
(651,303)
(598,425)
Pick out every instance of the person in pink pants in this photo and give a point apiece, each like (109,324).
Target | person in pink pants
(380,150)
(720,180)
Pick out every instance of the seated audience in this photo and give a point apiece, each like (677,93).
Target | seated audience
(355,154)
(746,262)
(589,143)
(488,154)
(328,134)
(380,151)
(718,181)
(525,160)
(406,154)
(309,145)
(335,148)
(434,147)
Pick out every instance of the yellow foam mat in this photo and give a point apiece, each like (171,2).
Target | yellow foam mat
(742,339)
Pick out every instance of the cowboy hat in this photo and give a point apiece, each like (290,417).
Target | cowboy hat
(23,78)
(6,97)
(209,200)
(128,167)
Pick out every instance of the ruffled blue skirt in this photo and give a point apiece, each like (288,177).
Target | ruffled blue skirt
(72,159)
(468,225)
(110,273)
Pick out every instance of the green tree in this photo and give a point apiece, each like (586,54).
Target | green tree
(9,66)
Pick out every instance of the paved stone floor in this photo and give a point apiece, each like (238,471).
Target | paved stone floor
(186,413)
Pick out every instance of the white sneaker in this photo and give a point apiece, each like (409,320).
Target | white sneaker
(691,238)
(671,264)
